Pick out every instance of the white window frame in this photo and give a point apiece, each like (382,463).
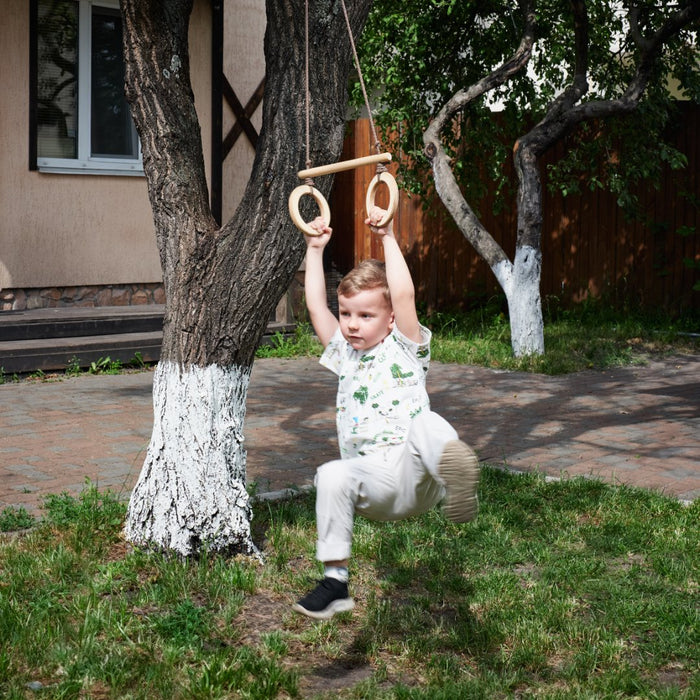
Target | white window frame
(85,163)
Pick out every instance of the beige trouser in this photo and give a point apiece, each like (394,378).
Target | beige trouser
(390,484)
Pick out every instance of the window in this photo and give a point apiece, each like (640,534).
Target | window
(82,122)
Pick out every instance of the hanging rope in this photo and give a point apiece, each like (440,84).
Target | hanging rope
(308,188)
(375,139)
(308,91)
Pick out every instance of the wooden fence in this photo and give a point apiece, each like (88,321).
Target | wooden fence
(589,249)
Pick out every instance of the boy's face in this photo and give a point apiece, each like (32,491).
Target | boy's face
(366,318)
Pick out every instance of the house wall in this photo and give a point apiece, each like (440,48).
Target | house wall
(76,238)
(244,68)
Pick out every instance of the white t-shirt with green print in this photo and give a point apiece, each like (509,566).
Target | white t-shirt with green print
(380,390)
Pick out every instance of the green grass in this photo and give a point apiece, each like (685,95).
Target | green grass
(572,589)
(587,337)
(15,518)
(302,343)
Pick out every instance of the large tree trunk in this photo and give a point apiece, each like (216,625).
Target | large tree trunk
(523,292)
(520,282)
(221,285)
(191,491)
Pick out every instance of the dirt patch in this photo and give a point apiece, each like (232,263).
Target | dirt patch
(261,614)
(334,676)
(674,676)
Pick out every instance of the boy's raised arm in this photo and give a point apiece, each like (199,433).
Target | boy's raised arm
(403,299)
(322,319)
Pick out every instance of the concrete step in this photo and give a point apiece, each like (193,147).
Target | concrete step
(54,339)
(74,322)
(47,354)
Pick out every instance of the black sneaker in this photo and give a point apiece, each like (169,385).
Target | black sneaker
(327,599)
(459,468)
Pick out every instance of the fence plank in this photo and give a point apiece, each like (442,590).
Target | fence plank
(589,247)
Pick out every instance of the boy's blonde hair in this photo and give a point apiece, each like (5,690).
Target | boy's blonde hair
(369,274)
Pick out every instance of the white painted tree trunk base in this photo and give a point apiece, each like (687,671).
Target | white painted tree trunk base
(191,493)
(521,284)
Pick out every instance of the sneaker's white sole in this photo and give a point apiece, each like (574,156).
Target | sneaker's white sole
(337,606)
(459,469)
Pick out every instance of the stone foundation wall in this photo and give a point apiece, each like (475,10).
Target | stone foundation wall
(110,295)
(289,310)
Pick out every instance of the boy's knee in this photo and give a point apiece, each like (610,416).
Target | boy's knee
(331,477)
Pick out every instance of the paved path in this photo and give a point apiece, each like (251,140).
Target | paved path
(638,426)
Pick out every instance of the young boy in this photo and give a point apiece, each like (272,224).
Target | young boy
(397,457)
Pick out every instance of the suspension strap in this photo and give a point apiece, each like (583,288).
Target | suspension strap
(377,144)
(308,188)
(308,91)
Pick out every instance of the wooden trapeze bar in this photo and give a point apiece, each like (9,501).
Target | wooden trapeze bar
(308,189)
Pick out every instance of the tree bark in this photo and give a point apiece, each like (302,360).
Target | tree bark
(221,284)
(191,491)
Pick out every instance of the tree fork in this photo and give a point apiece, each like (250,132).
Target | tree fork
(221,283)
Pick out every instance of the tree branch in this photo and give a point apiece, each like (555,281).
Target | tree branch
(579,85)
(445,182)
(651,47)
(497,77)
(564,114)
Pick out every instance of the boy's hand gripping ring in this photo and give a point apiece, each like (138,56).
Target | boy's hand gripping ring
(388,179)
(297,194)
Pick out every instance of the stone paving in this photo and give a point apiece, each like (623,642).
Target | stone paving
(637,425)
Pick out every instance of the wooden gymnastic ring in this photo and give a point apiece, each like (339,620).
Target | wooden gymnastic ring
(297,194)
(388,179)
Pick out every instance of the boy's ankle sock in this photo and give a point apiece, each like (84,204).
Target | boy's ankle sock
(339,573)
